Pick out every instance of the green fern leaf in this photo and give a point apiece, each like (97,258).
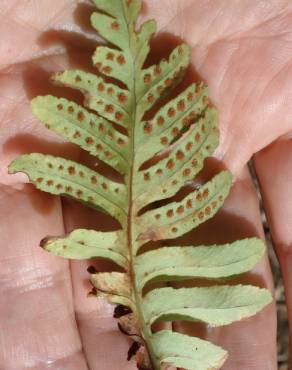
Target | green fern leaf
(156,157)
(210,262)
(85,244)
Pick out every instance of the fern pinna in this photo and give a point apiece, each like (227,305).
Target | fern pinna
(180,134)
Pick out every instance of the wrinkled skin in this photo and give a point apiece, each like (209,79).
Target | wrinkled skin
(243,50)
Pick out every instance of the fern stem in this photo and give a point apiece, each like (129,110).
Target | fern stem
(144,329)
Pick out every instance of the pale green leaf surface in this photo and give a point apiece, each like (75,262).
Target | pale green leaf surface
(216,305)
(107,99)
(64,177)
(187,352)
(176,115)
(113,30)
(114,63)
(177,218)
(211,262)
(157,79)
(92,133)
(85,244)
(184,161)
(147,29)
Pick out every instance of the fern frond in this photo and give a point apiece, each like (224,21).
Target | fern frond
(156,157)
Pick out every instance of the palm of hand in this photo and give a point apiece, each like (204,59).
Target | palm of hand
(243,52)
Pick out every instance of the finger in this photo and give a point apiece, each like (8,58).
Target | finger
(104,345)
(37,324)
(274,170)
(251,343)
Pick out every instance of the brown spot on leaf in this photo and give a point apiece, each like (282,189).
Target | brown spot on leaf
(60,106)
(59,186)
(201,215)
(76,135)
(146,176)
(148,128)
(50,165)
(93,179)
(121,141)
(80,116)
(174,230)
(169,213)
(99,147)
(199,197)
(186,172)
(79,193)
(98,65)
(101,127)
(115,25)
(190,96)
(159,171)
(110,91)
(89,140)
(150,98)
(160,121)
(107,69)
(39,180)
(207,211)
(100,87)
(164,140)
(171,112)
(109,108)
(180,210)
(175,131)
(110,56)
(104,186)
(180,155)
(147,78)
(181,105)
(69,189)
(119,116)
(189,203)
(170,164)
(71,170)
(121,59)
(205,193)
(77,78)
(50,182)
(197,137)
(189,146)
(122,97)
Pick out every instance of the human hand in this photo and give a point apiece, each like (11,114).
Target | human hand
(242,50)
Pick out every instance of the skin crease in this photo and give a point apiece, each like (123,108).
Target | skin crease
(243,50)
